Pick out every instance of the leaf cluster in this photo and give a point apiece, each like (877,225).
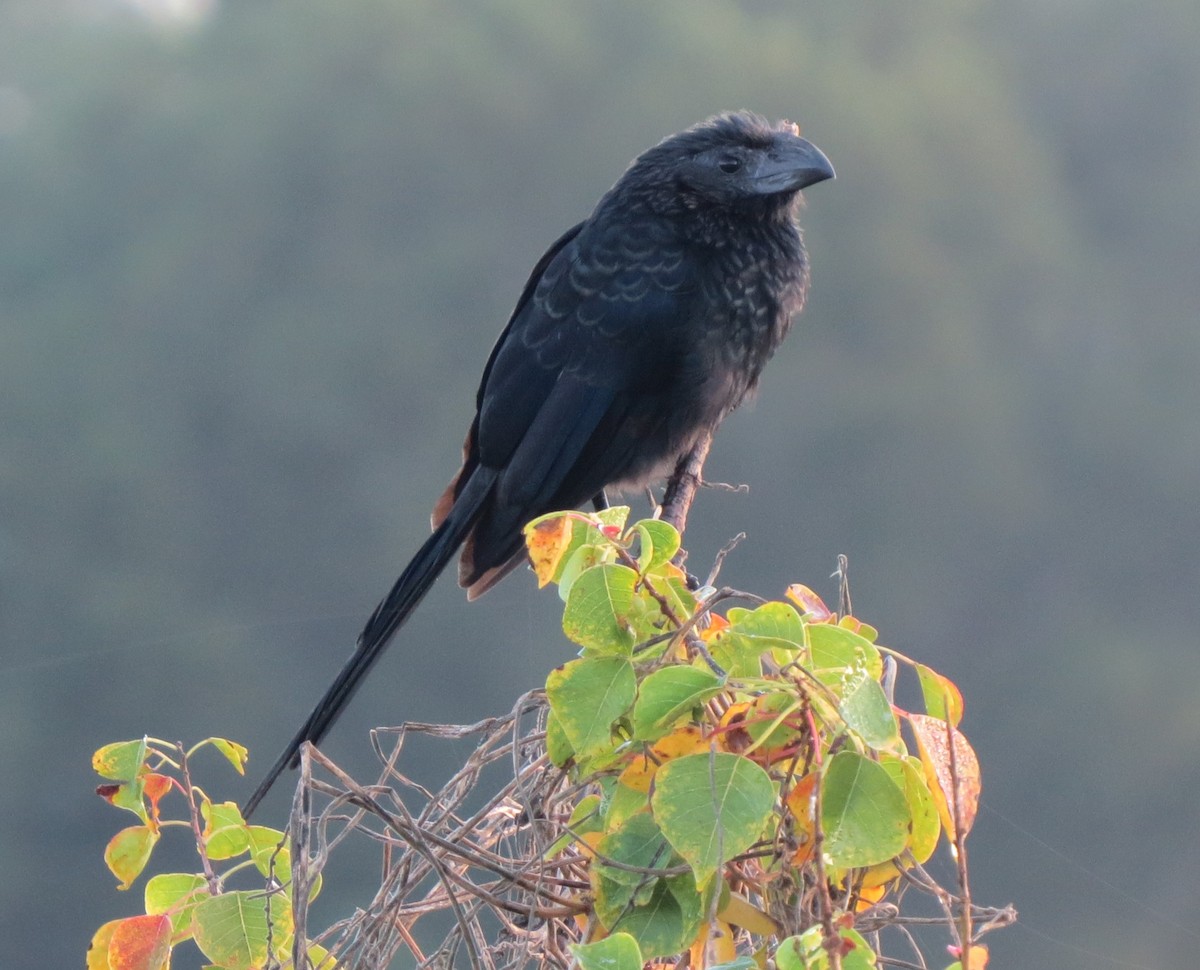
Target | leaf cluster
(751,793)
(730,786)
(234,928)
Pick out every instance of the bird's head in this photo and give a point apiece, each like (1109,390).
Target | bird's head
(737,160)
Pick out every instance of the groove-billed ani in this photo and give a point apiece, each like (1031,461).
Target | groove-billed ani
(637,332)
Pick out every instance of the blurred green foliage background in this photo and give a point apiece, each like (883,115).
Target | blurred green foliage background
(252,257)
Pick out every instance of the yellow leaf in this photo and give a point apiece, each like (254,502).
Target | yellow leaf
(639,773)
(547,539)
(741,912)
(713,946)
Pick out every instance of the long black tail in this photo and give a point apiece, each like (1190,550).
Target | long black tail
(416,580)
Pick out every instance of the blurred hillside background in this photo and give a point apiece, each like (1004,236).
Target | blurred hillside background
(253,255)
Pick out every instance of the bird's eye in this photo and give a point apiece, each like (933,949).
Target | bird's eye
(729,165)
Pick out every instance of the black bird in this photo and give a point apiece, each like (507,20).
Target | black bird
(637,332)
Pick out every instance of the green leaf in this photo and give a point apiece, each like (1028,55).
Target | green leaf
(741,963)
(669,920)
(128,852)
(776,621)
(124,762)
(767,724)
(668,694)
(225,831)
(587,696)
(623,803)
(580,560)
(557,746)
(942,697)
(585,819)
(752,633)
(236,754)
(867,713)
(267,855)
(120,761)
(231,929)
(659,543)
(807,951)
(175,894)
(711,807)
(835,650)
(615,516)
(926,826)
(598,607)
(737,655)
(664,916)
(618,952)
(864,813)
(638,842)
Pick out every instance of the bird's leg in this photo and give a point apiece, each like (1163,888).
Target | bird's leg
(600,501)
(681,490)
(682,485)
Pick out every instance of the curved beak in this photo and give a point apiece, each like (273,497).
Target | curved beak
(794,163)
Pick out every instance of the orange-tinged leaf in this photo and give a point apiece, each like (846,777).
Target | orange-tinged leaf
(868,896)
(943,699)
(977,958)
(154,787)
(547,540)
(140,943)
(957,803)
(802,805)
(716,623)
(128,852)
(811,606)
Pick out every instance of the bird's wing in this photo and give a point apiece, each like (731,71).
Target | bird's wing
(577,371)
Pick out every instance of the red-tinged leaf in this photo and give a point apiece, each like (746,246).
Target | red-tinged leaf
(128,852)
(122,762)
(154,787)
(811,606)
(954,781)
(140,943)
(175,894)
